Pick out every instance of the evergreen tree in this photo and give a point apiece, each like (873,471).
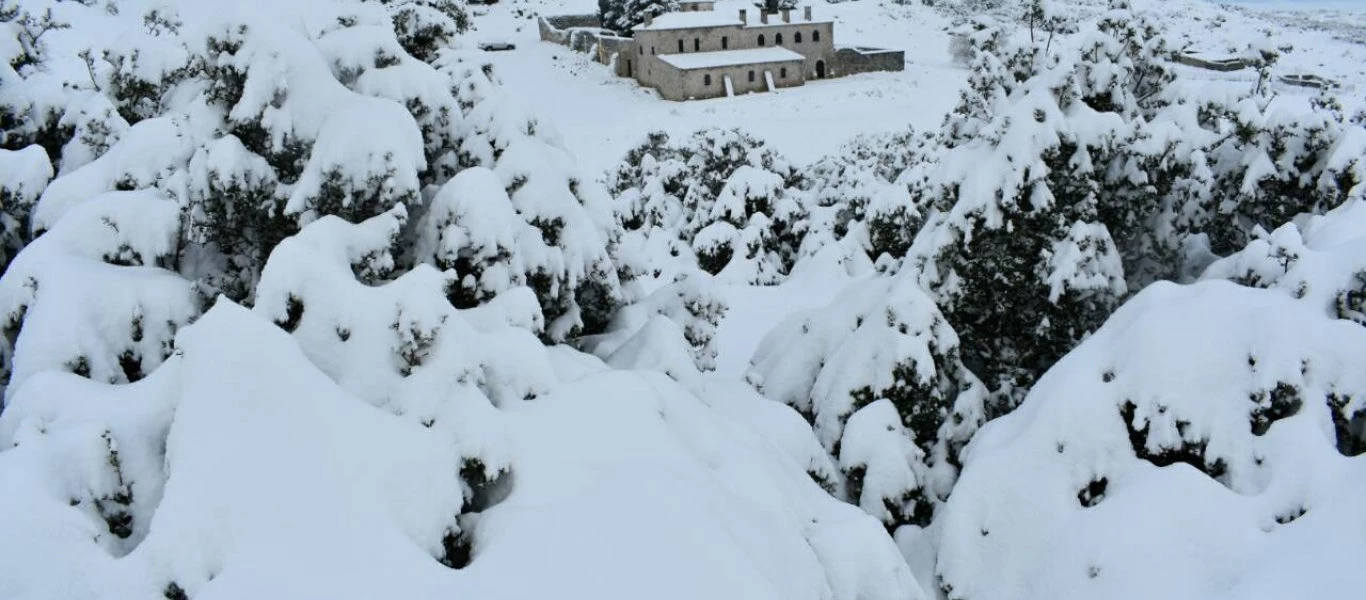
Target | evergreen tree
(623,15)
(878,373)
(731,202)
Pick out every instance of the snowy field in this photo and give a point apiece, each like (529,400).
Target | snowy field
(601,115)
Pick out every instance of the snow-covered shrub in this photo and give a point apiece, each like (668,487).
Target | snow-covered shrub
(691,302)
(1051,194)
(424,27)
(1319,260)
(856,190)
(379,418)
(93,296)
(1198,426)
(32,99)
(23,175)
(236,215)
(881,347)
(144,63)
(1282,157)
(733,202)
(562,220)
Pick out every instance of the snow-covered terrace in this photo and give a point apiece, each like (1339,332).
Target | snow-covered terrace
(727,58)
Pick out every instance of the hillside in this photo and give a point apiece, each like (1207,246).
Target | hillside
(334,299)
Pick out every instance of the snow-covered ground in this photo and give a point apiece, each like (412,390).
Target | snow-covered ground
(601,116)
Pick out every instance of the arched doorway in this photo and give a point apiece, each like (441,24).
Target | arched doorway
(820,69)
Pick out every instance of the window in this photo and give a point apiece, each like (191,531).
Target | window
(706,80)
(816,35)
(696,45)
(652,50)
(725,43)
(778,39)
(761,39)
(680,46)
(751,76)
(797,38)
(782,73)
(642,50)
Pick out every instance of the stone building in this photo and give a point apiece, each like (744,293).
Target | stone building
(701,52)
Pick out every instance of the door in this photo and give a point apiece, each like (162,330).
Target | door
(820,69)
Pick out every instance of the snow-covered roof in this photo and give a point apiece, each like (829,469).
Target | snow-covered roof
(688,20)
(726,58)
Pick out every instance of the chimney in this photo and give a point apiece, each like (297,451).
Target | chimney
(763,17)
(806,10)
(744,18)
(787,15)
(649,18)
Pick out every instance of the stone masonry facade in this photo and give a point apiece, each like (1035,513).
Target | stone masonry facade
(702,53)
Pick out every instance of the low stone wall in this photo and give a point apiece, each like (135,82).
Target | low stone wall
(584,33)
(563,22)
(612,45)
(1213,64)
(854,60)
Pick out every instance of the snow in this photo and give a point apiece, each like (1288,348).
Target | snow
(700,493)
(406,403)
(690,20)
(727,58)
(601,116)
(1186,360)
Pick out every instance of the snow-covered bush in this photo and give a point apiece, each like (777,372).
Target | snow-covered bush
(721,199)
(1318,260)
(1195,436)
(691,302)
(1068,182)
(95,295)
(425,27)
(1282,157)
(878,374)
(380,420)
(856,191)
(23,175)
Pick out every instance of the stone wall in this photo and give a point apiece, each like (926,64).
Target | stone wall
(582,33)
(851,61)
(708,39)
(692,84)
(1223,64)
(621,47)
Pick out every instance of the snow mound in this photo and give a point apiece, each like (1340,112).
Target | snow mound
(345,440)
(881,346)
(1205,426)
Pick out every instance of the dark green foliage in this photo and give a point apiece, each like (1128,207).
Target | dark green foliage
(1350,303)
(919,513)
(622,15)
(1273,405)
(1190,452)
(424,27)
(294,314)
(1093,493)
(1349,424)
(173,591)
